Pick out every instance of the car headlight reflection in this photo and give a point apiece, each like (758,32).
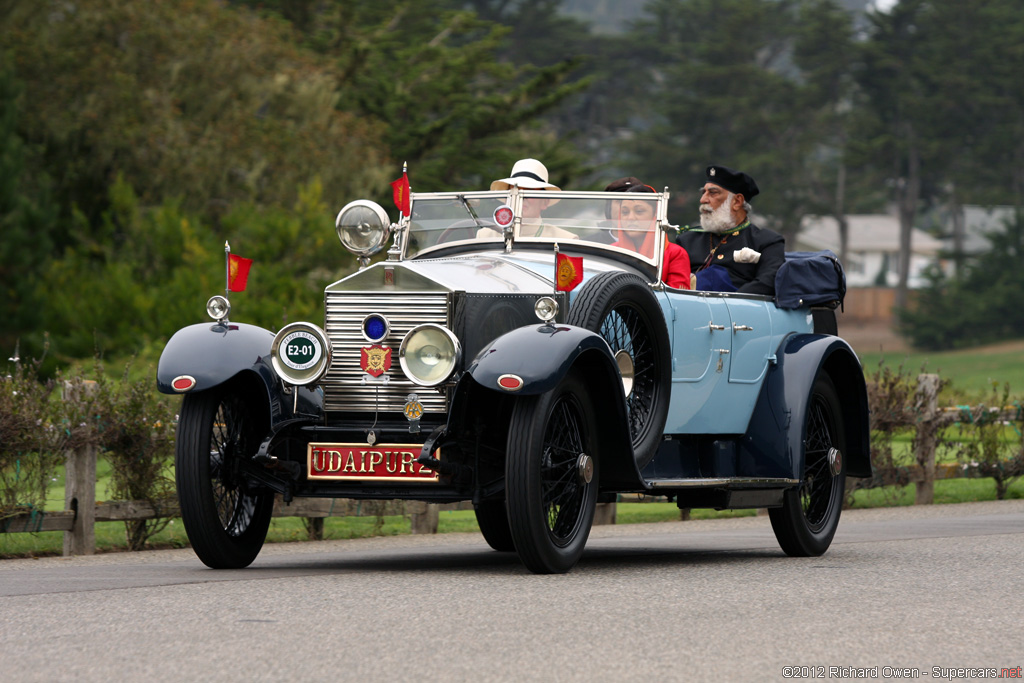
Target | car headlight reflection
(546,308)
(363,227)
(430,355)
(218,307)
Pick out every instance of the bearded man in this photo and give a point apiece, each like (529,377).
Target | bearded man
(728,252)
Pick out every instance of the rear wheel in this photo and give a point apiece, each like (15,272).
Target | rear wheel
(809,516)
(622,309)
(225,516)
(492,517)
(551,477)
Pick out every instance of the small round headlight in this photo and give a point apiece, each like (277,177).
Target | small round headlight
(546,308)
(218,307)
(301,353)
(363,227)
(429,355)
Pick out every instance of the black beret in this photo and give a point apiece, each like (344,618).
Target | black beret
(622,184)
(629,184)
(736,182)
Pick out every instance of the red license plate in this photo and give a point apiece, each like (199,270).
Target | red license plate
(363,462)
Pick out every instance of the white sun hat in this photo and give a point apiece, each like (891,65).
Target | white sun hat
(528,174)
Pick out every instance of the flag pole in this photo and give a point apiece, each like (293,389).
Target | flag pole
(227,269)
(554,280)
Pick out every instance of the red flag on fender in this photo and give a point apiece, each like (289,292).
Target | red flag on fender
(238,272)
(569,272)
(400,192)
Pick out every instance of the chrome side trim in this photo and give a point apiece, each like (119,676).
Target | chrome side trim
(732,482)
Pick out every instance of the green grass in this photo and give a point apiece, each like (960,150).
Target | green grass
(974,373)
(110,535)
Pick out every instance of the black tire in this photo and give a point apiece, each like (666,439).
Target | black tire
(550,506)
(622,308)
(809,516)
(492,517)
(225,517)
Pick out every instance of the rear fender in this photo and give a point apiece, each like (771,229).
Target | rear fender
(773,445)
(540,356)
(213,354)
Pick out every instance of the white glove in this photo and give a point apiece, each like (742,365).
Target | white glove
(746,255)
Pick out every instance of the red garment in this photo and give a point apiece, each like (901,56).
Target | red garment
(675,269)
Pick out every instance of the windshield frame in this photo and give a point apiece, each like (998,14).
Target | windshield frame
(514,198)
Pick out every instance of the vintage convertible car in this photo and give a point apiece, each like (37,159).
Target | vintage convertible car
(461,369)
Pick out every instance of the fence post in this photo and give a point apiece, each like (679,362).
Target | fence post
(927,409)
(80,488)
(605,513)
(424,517)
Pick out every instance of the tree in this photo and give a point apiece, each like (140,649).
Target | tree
(433,76)
(27,220)
(195,101)
(728,85)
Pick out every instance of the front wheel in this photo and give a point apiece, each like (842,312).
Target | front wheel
(225,516)
(492,517)
(551,477)
(809,516)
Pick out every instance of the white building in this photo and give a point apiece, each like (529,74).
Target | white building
(873,248)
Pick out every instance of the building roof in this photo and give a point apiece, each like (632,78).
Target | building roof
(868,233)
(980,221)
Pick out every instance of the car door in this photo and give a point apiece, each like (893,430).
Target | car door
(750,325)
(720,351)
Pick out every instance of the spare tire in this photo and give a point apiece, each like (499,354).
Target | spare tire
(622,309)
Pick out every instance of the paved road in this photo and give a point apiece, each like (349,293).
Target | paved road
(935,589)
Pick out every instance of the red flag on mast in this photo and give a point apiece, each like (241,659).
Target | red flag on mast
(400,193)
(238,272)
(569,271)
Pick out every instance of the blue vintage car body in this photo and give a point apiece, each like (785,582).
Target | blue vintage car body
(731,407)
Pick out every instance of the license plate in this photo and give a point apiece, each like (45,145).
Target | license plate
(363,462)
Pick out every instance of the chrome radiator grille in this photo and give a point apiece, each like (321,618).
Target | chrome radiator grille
(342,385)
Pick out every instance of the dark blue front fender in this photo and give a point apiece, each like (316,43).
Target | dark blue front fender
(214,353)
(540,355)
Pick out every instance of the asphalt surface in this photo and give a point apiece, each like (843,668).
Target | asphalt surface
(933,591)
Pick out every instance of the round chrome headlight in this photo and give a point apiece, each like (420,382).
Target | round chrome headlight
(546,308)
(218,307)
(429,355)
(363,227)
(301,353)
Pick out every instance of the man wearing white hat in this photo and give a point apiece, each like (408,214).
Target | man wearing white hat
(530,174)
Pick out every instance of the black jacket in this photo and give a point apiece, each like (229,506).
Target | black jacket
(750,278)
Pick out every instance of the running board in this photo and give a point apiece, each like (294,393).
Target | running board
(723,482)
(725,493)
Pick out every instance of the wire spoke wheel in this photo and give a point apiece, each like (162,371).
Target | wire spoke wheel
(809,516)
(225,516)
(624,330)
(552,477)
(622,309)
(563,494)
(816,489)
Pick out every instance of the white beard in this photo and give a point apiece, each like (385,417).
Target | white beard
(720,220)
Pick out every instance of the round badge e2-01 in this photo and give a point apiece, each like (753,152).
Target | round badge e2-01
(300,350)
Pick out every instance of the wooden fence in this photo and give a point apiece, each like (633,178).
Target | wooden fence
(82,512)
